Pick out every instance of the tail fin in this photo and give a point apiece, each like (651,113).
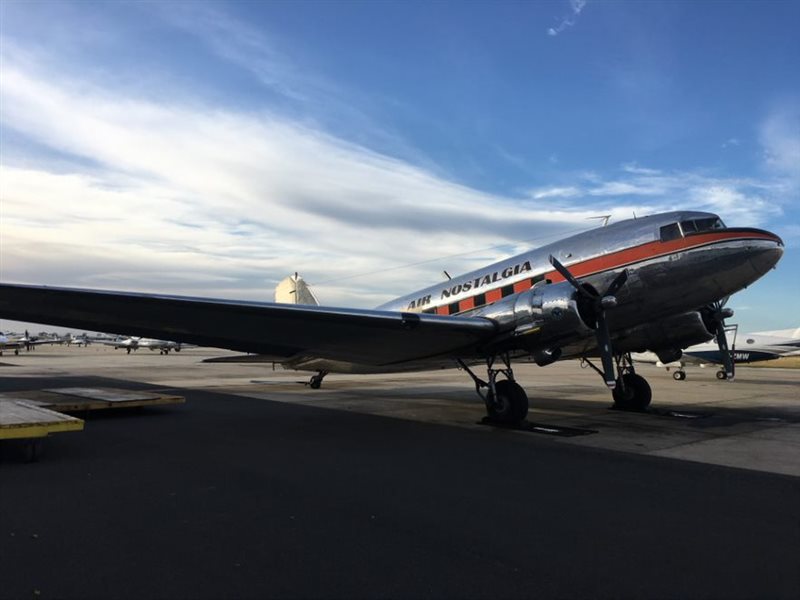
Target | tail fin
(294,290)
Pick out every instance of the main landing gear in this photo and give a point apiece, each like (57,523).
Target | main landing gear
(630,391)
(679,375)
(506,401)
(316,380)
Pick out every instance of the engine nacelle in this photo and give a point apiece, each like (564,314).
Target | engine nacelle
(540,320)
(666,336)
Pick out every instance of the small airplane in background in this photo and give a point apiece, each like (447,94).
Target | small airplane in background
(134,343)
(28,342)
(652,283)
(10,343)
(77,340)
(752,347)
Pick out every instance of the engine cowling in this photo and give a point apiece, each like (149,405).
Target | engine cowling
(666,336)
(540,320)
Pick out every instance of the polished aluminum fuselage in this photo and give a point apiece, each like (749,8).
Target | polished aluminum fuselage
(660,282)
(667,280)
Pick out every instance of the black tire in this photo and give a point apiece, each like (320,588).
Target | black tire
(721,375)
(634,395)
(679,375)
(511,405)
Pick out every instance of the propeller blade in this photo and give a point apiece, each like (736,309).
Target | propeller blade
(722,342)
(570,277)
(618,282)
(606,353)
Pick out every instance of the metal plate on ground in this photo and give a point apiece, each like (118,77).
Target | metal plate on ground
(556,430)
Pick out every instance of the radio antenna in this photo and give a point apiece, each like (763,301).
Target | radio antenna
(605,218)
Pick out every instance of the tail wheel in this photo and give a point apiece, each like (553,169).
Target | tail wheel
(721,375)
(679,375)
(509,403)
(632,392)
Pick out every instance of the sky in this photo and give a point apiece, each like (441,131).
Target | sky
(211,149)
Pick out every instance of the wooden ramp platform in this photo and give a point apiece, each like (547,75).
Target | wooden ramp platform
(77,399)
(20,419)
(33,415)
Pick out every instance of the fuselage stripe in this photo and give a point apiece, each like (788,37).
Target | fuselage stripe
(599,264)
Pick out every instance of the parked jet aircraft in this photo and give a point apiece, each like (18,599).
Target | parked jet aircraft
(654,283)
(750,347)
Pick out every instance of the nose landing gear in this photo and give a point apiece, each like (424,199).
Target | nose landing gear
(679,375)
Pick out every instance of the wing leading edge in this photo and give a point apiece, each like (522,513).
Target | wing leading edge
(370,337)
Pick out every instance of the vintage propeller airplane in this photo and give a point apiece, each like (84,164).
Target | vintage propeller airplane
(655,283)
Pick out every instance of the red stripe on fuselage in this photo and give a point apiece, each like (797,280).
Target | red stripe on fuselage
(651,250)
(618,259)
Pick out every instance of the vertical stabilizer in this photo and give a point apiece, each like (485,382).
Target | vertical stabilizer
(294,290)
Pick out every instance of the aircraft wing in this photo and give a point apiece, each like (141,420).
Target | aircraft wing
(281,331)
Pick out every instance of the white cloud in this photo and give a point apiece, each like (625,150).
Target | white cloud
(780,138)
(624,188)
(632,167)
(639,190)
(186,198)
(576,7)
(554,192)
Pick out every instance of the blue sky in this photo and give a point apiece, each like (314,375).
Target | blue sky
(213,148)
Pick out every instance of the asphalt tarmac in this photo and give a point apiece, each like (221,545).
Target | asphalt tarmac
(237,496)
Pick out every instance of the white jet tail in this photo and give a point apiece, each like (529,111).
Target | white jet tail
(294,290)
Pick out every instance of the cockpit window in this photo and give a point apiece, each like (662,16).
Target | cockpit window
(709,224)
(706,224)
(670,232)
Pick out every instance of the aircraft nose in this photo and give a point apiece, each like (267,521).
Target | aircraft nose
(764,254)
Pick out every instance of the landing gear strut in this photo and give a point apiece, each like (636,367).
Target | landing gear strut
(316,380)
(506,401)
(631,391)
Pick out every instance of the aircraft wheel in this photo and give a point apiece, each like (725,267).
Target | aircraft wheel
(511,404)
(16,352)
(636,394)
(679,375)
(721,375)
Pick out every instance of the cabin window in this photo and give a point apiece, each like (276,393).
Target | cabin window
(670,232)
